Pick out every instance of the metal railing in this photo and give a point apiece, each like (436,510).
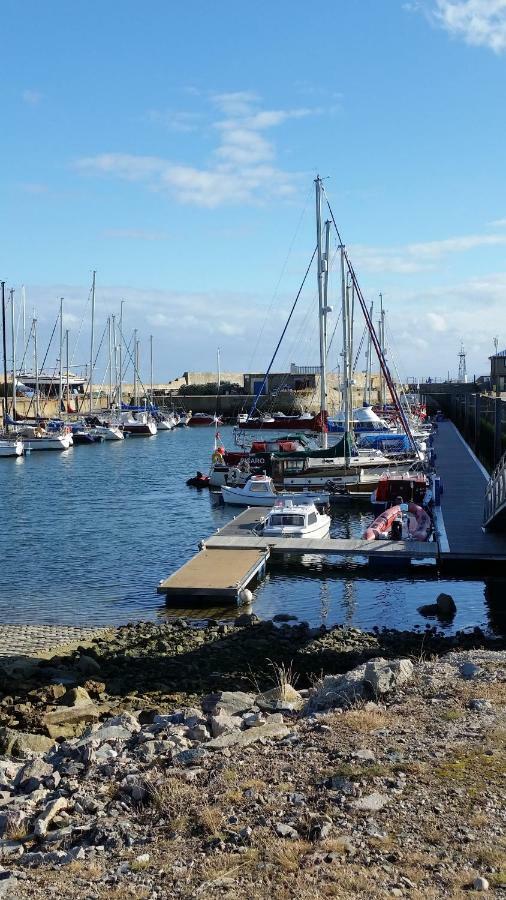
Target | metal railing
(495,495)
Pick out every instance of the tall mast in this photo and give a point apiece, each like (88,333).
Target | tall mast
(136,350)
(120,380)
(36,364)
(346,387)
(60,390)
(92,339)
(23,295)
(382,346)
(109,335)
(4,339)
(368,371)
(67,365)
(151,363)
(322,265)
(115,354)
(13,338)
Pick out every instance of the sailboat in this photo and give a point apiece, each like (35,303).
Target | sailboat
(341,467)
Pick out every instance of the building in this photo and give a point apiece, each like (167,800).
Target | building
(299,378)
(498,372)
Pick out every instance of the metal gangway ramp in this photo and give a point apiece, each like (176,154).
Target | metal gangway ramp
(494,516)
(465,481)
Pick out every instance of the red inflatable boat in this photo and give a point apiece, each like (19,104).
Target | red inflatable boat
(407,522)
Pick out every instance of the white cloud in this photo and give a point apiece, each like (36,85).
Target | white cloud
(436,322)
(497,223)
(31,97)
(480,23)
(242,167)
(421,256)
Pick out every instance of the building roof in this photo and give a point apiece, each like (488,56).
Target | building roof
(495,355)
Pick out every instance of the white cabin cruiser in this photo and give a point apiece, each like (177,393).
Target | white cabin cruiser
(296,520)
(260,491)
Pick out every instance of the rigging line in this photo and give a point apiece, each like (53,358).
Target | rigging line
(132,360)
(359,351)
(43,364)
(334,332)
(22,364)
(71,363)
(374,337)
(283,270)
(299,292)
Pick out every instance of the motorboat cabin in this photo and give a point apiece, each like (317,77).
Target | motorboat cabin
(296,520)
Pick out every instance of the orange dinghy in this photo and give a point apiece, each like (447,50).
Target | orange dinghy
(406,521)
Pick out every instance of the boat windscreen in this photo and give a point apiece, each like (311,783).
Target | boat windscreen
(278,519)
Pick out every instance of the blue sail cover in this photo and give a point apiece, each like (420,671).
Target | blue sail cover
(394,443)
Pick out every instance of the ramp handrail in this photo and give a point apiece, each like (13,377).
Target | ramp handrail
(495,494)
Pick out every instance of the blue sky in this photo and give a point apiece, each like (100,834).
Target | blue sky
(173,149)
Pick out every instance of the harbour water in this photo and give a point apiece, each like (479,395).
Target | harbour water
(88,533)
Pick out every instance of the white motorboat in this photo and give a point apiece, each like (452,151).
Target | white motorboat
(291,519)
(260,491)
(12,447)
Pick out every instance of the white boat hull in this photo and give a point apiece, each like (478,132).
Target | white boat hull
(50,442)
(109,432)
(11,448)
(236,497)
(313,533)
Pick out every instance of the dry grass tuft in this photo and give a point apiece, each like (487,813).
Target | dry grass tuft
(286,854)
(364,720)
(207,820)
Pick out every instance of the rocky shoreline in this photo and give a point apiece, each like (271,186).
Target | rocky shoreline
(255,759)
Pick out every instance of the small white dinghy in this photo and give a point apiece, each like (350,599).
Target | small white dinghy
(259,490)
(290,519)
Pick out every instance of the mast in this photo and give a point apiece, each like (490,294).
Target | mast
(23,295)
(60,390)
(346,395)
(4,340)
(120,380)
(151,363)
(322,266)
(109,335)
(350,310)
(36,364)
(13,338)
(382,347)
(368,369)
(92,339)
(136,349)
(115,355)
(67,365)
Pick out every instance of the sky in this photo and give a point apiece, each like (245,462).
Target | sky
(173,149)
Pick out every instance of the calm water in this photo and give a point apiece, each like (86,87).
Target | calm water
(88,533)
